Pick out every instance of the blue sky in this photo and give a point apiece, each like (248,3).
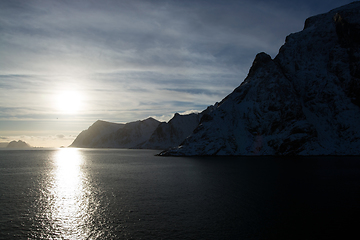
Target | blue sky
(128,60)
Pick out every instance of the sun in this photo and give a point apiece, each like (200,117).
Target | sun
(69,102)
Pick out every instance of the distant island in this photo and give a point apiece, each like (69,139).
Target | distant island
(18,144)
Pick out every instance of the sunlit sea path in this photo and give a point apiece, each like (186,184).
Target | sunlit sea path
(132,194)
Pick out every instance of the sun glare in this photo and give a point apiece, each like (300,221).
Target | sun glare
(69,102)
(69,206)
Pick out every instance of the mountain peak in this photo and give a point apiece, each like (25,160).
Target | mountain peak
(151,119)
(260,60)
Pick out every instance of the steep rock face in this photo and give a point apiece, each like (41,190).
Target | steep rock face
(172,133)
(95,133)
(304,102)
(132,134)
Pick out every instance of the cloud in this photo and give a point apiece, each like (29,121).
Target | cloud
(136,35)
(60,136)
(58,37)
(189,112)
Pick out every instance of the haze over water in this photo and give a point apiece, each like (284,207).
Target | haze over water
(132,194)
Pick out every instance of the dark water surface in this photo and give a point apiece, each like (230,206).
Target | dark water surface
(132,194)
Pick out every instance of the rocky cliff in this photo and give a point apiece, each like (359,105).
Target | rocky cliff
(172,133)
(305,101)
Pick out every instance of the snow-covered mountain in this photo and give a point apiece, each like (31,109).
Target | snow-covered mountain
(305,101)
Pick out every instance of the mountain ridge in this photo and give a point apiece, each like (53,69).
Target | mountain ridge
(140,134)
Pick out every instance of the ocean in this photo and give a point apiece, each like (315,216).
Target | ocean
(133,194)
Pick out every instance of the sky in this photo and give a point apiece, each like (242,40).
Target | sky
(65,64)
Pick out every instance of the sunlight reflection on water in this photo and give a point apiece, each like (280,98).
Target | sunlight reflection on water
(67,210)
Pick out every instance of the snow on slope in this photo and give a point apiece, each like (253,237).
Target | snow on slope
(306,101)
